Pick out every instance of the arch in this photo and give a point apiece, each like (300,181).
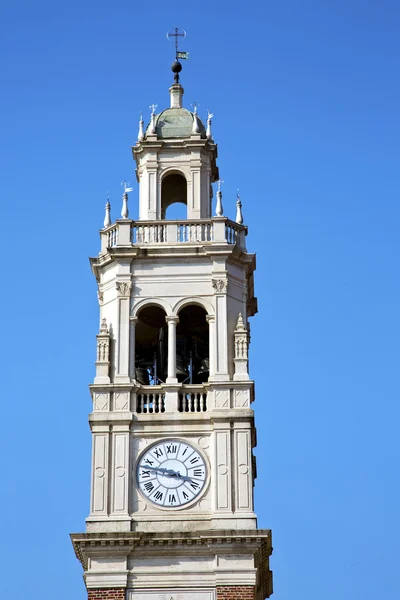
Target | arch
(151,302)
(193,343)
(174,189)
(208,307)
(151,343)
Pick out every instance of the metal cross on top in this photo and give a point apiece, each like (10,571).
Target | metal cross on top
(177,34)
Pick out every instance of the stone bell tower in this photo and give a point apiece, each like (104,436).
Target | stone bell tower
(171,510)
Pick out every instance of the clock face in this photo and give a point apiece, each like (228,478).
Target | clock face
(171,473)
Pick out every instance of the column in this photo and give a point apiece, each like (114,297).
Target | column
(172,323)
(132,347)
(212,343)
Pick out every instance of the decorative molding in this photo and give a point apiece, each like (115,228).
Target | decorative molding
(242,398)
(220,285)
(221,398)
(121,401)
(101,401)
(123,288)
(235,541)
(100,297)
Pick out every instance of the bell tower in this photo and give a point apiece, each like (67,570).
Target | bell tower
(172,507)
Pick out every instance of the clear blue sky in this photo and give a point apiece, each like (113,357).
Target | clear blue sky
(306,99)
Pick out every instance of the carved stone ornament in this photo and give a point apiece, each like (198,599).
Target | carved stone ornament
(124,288)
(103,326)
(100,297)
(220,285)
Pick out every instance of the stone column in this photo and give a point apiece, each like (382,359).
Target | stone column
(132,347)
(212,343)
(172,323)
(122,362)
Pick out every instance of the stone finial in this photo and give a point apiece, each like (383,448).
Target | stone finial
(209,117)
(152,129)
(219,211)
(240,323)
(125,210)
(107,217)
(103,354)
(103,326)
(196,126)
(141,132)
(241,351)
(239,215)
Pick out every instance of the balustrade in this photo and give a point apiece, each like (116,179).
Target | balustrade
(150,402)
(216,230)
(192,401)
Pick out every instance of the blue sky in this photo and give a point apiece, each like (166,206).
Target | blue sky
(306,101)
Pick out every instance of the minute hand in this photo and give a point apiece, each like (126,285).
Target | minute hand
(167,472)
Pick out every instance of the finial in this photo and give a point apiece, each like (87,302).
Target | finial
(127,189)
(209,117)
(107,218)
(219,211)
(141,132)
(239,215)
(153,118)
(196,126)
(176,65)
(103,326)
(240,323)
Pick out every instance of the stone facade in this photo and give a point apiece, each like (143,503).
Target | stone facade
(172,375)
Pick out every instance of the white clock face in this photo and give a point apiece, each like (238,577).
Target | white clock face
(171,473)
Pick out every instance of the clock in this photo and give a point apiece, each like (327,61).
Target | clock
(171,473)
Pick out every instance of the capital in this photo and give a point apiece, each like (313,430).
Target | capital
(172,319)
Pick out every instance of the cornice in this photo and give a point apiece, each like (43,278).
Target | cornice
(258,542)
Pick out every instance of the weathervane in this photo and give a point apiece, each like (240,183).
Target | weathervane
(179,54)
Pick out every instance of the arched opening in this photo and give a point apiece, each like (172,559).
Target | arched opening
(151,346)
(192,345)
(173,190)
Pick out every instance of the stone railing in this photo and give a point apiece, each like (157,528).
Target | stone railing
(157,399)
(217,230)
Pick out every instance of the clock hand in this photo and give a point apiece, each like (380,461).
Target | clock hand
(167,472)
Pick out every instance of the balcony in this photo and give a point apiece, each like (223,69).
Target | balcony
(218,230)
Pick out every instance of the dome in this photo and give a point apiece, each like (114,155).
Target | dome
(176,123)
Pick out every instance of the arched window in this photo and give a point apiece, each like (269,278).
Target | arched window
(151,346)
(192,345)
(173,190)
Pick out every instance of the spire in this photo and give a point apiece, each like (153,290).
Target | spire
(239,215)
(209,117)
(125,211)
(141,132)
(196,126)
(107,217)
(219,211)
(152,129)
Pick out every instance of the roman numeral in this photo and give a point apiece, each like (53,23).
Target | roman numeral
(158,452)
(197,472)
(194,485)
(149,486)
(171,449)
(148,461)
(171,498)
(184,452)
(185,495)
(194,460)
(158,495)
(145,473)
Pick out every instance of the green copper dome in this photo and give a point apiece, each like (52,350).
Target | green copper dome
(176,123)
